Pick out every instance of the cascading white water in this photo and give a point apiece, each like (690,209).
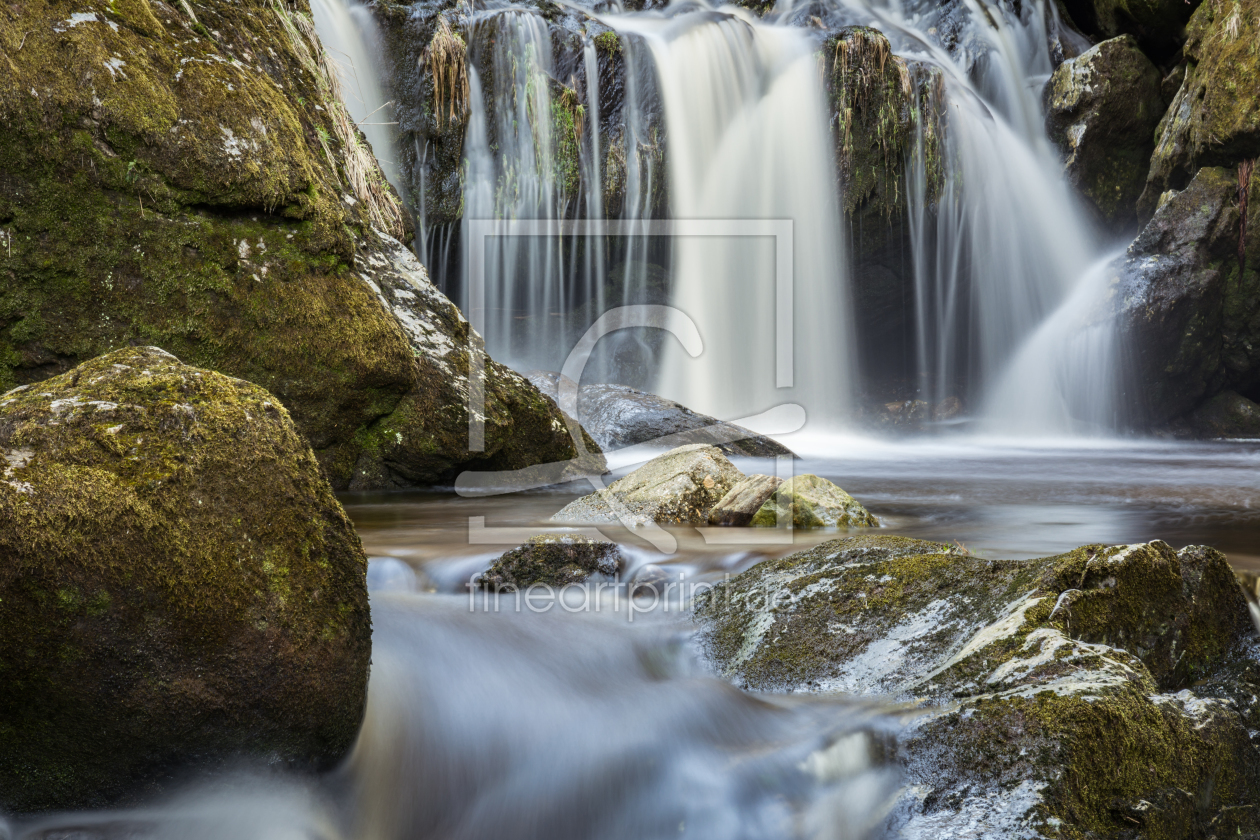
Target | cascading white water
(1006,248)
(748,139)
(351,38)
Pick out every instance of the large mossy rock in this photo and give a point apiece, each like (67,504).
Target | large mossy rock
(178,584)
(880,105)
(1102,108)
(1094,693)
(1188,308)
(1214,120)
(681,486)
(194,183)
(811,501)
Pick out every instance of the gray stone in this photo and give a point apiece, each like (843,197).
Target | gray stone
(743,500)
(552,560)
(1052,686)
(811,501)
(681,486)
(1102,108)
(617,416)
(1191,329)
(1227,415)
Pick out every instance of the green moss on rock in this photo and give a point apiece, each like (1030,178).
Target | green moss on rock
(1102,109)
(182,580)
(552,560)
(1214,120)
(158,186)
(810,501)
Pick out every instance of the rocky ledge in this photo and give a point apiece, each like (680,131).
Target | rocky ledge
(1106,692)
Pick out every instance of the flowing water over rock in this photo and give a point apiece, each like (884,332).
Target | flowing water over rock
(506,723)
(608,130)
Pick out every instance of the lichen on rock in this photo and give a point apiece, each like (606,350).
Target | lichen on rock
(182,581)
(679,486)
(810,501)
(1077,695)
(1214,120)
(1102,109)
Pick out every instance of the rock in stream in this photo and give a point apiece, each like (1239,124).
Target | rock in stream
(179,585)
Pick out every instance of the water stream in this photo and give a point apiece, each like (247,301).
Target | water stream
(486,720)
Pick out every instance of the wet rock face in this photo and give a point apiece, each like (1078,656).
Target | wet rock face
(810,501)
(1156,24)
(1189,318)
(1081,694)
(1102,108)
(1214,120)
(617,416)
(194,183)
(680,486)
(181,579)
(1227,415)
(553,560)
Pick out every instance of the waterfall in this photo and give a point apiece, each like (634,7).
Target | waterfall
(1002,258)
(733,109)
(350,36)
(748,139)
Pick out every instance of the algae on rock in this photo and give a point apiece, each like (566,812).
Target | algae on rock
(179,584)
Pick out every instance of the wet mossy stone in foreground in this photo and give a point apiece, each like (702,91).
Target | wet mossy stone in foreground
(1107,692)
(179,585)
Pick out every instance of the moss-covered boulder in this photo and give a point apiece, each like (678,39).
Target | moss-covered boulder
(1092,694)
(811,501)
(680,486)
(1227,415)
(1187,301)
(1102,108)
(552,560)
(178,583)
(1214,120)
(189,178)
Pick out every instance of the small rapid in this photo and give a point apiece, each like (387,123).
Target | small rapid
(519,725)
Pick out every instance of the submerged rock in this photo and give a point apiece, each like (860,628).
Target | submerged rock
(196,182)
(1079,694)
(618,416)
(812,502)
(680,486)
(179,584)
(743,500)
(1214,120)
(552,560)
(1102,108)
